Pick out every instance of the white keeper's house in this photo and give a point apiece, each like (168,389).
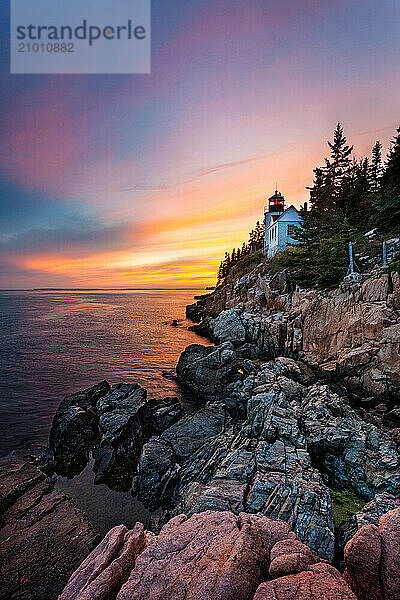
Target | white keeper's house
(279,224)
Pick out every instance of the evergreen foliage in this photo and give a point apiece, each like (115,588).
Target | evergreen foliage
(253,245)
(348,198)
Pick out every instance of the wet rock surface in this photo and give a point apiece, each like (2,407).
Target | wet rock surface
(113,423)
(43,536)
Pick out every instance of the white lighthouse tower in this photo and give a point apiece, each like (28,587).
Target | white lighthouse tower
(280,224)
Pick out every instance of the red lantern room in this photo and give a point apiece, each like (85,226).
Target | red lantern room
(276,203)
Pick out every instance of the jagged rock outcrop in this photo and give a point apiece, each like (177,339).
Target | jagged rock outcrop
(113,422)
(74,429)
(43,536)
(258,465)
(161,458)
(194,312)
(210,556)
(205,370)
(271,462)
(353,454)
(353,331)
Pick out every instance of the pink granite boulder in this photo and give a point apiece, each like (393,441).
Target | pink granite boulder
(106,569)
(320,582)
(389,528)
(289,557)
(211,556)
(362,555)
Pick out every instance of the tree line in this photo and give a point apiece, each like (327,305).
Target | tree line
(349,197)
(254,244)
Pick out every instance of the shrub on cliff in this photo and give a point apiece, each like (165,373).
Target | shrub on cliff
(247,263)
(344,504)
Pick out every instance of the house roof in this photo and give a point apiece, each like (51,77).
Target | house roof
(290,208)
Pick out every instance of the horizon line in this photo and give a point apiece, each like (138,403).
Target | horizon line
(55,289)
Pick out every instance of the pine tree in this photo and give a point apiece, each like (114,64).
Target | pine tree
(319,259)
(376,167)
(388,213)
(220,276)
(337,165)
(355,195)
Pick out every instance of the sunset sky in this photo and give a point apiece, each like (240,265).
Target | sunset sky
(146,180)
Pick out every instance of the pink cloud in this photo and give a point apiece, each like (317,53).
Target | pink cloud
(46,137)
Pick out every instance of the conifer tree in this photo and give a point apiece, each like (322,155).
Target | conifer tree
(376,167)
(220,276)
(388,214)
(337,165)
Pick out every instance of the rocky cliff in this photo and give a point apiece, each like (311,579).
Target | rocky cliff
(352,331)
(297,412)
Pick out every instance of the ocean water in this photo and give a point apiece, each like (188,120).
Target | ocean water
(55,343)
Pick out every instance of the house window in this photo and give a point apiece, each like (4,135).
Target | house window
(290,230)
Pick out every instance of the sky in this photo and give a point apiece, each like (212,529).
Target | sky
(146,180)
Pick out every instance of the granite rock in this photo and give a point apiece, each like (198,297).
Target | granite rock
(319,581)
(211,555)
(107,568)
(363,557)
(113,423)
(43,536)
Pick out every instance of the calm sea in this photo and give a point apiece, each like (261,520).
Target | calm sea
(54,343)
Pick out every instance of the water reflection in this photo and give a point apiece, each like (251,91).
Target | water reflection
(104,507)
(57,343)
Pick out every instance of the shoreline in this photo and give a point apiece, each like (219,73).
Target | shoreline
(265,423)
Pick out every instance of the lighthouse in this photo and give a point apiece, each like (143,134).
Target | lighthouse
(280,224)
